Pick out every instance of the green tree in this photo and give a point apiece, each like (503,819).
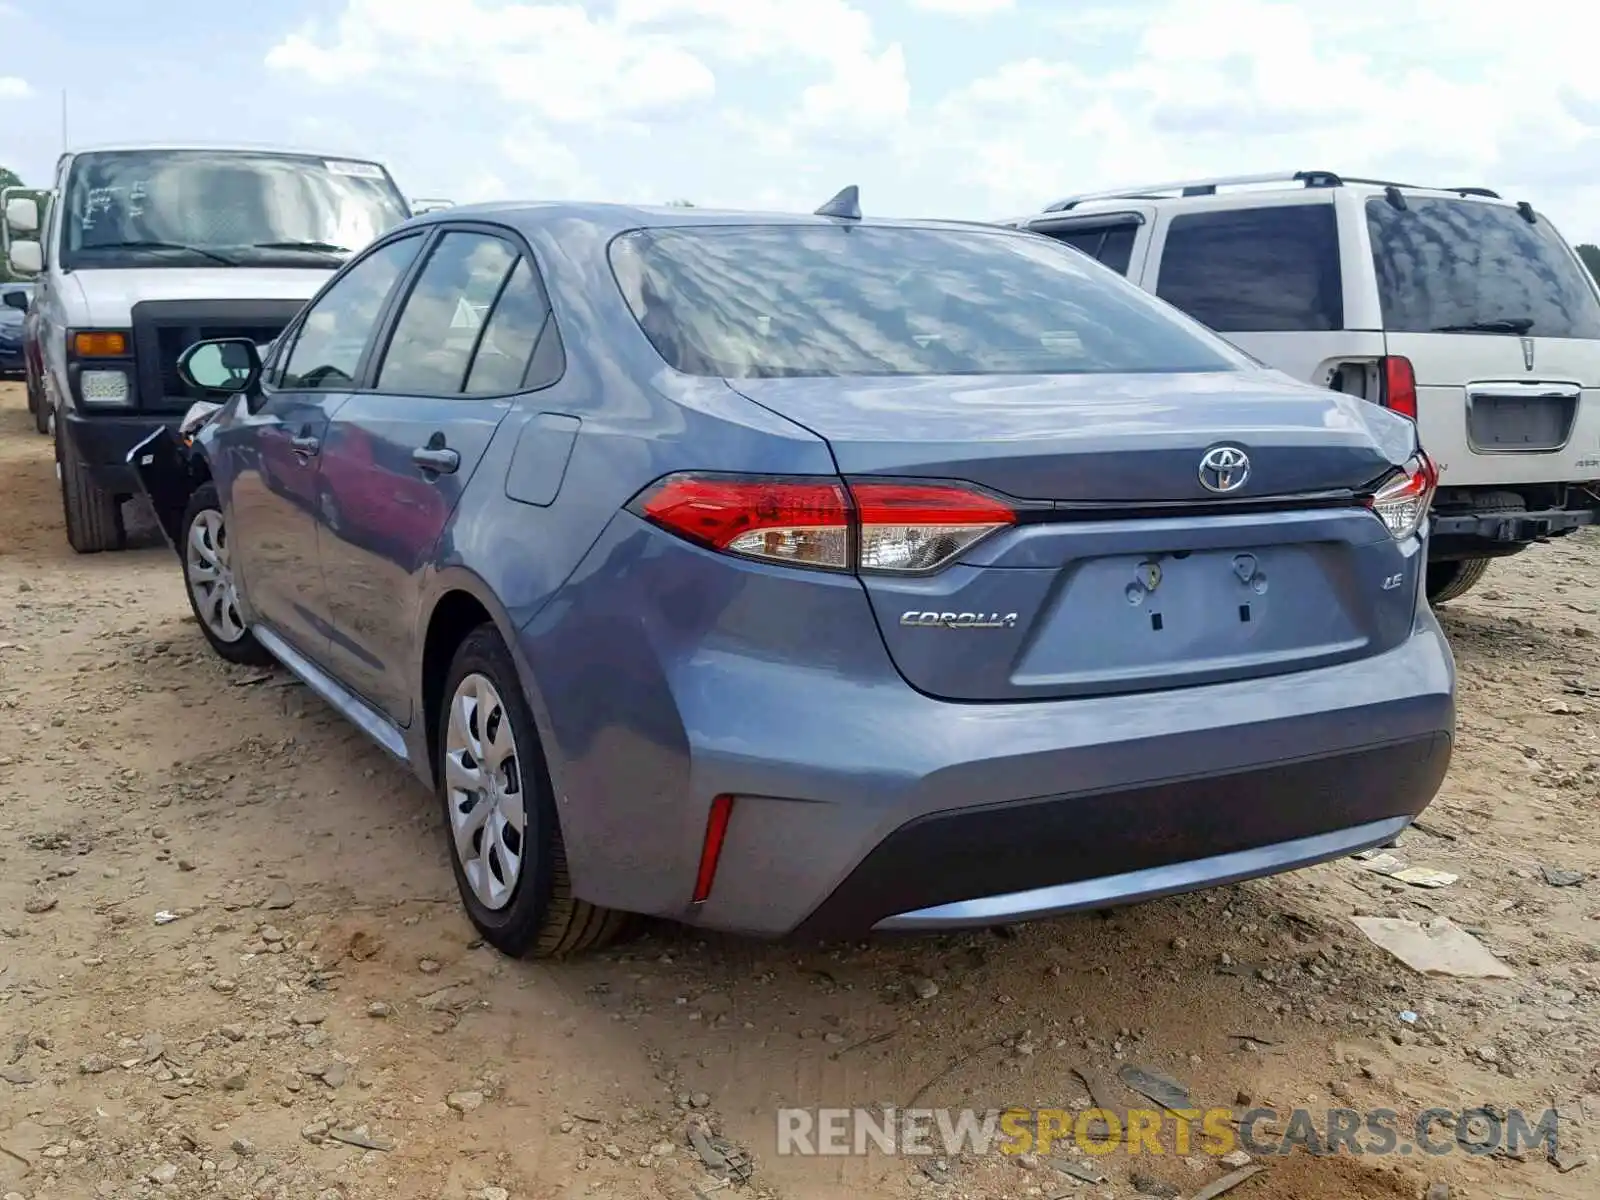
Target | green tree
(1590,253)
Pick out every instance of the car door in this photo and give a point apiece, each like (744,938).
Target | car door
(400,453)
(272,449)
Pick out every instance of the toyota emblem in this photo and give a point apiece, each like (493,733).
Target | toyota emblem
(1224,469)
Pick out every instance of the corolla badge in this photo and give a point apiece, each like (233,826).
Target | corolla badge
(955,620)
(1224,469)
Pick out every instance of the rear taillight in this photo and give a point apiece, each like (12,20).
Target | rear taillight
(1399,386)
(865,525)
(1402,502)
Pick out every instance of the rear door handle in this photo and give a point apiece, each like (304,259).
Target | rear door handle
(437,460)
(305,445)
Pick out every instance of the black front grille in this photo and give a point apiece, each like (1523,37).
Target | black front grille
(164,329)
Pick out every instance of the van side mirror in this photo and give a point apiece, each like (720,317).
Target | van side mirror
(22,215)
(25,257)
(223,366)
(18,299)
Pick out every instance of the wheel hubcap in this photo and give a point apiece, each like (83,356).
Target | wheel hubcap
(211,577)
(484,790)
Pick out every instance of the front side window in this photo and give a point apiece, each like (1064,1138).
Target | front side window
(1266,269)
(759,301)
(334,333)
(188,208)
(1463,266)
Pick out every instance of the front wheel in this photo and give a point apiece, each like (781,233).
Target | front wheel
(93,515)
(505,841)
(209,579)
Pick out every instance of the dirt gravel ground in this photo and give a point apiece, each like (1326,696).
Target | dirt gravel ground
(232,962)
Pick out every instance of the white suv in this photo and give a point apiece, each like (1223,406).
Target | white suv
(1465,311)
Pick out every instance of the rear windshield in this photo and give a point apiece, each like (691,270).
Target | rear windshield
(1463,265)
(807,300)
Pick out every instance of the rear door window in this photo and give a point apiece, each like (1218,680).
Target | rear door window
(439,327)
(1447,265)
(1111,245)
(1265,269)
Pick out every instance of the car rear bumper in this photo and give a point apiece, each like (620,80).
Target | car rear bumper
(103,442)
(995,864)
(860,802)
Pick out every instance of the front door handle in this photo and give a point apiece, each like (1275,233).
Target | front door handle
(436,460)
(305,445)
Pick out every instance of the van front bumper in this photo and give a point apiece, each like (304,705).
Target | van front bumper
(104,440)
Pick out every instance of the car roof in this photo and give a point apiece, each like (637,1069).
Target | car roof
(612,218)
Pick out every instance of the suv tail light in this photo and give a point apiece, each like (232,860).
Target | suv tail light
(1399,386)
(1402,502)
(866,525)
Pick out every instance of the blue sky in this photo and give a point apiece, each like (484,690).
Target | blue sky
(967,108)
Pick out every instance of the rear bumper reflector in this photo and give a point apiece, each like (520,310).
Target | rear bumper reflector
(711,848)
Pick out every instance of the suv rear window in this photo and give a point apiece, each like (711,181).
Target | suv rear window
(1446,265)
(764,301)
(1267,269)
(1112,245)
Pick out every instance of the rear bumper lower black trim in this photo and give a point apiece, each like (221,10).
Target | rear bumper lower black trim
(1010,850)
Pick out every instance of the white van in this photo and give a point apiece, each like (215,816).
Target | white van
(144,250)
(1467,312)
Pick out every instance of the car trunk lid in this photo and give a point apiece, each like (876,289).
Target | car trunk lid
(1123,570)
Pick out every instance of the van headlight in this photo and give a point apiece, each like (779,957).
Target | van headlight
(104,389)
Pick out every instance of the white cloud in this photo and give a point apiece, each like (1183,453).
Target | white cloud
(747,101)
(964,8)
(13,88)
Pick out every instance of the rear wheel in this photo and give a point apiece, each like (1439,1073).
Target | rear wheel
(1448,580)
(93,515)
(505,842)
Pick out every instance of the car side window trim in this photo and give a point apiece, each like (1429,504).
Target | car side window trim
(391,316)
(290,337)
(383,329)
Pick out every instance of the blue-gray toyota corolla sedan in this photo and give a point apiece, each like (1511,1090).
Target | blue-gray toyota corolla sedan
(816,574)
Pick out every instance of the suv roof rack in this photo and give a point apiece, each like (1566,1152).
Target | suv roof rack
(1208,187)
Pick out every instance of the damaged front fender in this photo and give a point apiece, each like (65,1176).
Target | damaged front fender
(169,466)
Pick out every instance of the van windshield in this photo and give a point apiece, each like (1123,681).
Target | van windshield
(187,208)
(1465,266)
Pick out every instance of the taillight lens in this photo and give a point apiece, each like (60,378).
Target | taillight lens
(1399,386)
(918,527)
(866,525)
(803,522)
(1402,502)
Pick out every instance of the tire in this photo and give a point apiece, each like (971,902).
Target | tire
(93,515)
(1449,580)
(529,910)
(208,580)
(41,414)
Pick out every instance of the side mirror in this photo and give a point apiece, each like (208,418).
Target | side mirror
(18,299)
(225,366)
(22,214)
(25,257)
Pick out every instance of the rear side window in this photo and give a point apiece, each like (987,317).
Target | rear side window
(1256,270)
(1446,265)
(764,301)
(1110,245)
